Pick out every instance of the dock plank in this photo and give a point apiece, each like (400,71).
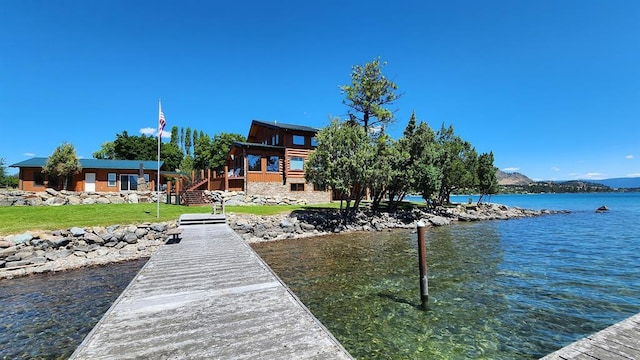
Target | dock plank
(619,341)
(208,297)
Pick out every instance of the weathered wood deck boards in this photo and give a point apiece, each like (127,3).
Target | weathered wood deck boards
(210,296)
(619,341)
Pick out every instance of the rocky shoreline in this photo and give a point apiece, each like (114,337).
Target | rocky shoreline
(253,228)
(50,251)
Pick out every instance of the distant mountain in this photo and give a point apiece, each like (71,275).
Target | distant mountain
(620,183)
(512,178)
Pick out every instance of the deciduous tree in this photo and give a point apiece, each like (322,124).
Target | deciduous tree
(171,155)
(2,171)
(63,163)
(128,147)
(201,151)
(107,151)
(220,146)
(174,135)
(187,141)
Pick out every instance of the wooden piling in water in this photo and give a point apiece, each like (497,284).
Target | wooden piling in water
(422,262)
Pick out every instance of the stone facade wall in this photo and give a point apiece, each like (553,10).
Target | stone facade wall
(280,190)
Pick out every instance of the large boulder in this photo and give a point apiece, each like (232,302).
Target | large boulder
(439,221)
(77,232)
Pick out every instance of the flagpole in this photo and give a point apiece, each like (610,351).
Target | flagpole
(159,137)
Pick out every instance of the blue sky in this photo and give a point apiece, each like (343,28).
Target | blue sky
(551,87)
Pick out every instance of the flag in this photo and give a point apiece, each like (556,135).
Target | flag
(161,123)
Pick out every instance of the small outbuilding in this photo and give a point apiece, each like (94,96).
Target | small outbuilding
(97,175)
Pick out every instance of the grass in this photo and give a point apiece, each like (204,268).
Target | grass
(18,219)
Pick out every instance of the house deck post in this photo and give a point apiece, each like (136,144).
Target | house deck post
(226,178)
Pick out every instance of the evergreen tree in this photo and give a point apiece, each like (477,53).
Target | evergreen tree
(458,162)
(369,95)
(487,176)
(342,161)
(382,170)
(425,175)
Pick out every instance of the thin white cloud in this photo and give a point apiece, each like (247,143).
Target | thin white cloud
(148,131)
(511,169)
(375,130)
(633,175)
(29,154)
(629,156)
(555,168)
(593,176)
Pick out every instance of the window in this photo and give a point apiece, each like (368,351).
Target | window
(128,182)
(314,141)
(275,139)
(296,163)
(38,178)
(297,187)
(298,140)
(273,163)
(111,179)
(254,162)
(319,187)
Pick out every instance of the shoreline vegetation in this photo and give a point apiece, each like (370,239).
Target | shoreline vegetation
(44,251)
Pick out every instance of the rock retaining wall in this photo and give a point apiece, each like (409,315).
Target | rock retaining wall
(46,251)
(240,198)
(52,197)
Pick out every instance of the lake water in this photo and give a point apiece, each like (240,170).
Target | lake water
(46,316)
(516,289)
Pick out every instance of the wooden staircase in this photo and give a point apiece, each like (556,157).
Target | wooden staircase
(197,185)
(194,197)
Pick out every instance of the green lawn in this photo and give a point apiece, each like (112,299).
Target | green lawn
(18,219)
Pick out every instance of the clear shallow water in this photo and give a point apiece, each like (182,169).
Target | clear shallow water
(516,289)
(47,316)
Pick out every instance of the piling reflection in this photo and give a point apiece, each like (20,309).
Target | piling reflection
(365,288)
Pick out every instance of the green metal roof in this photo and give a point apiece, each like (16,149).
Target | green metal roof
(279,125)
(95,163)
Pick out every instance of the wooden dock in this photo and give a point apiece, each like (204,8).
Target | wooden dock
(619,341)
(209,296)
